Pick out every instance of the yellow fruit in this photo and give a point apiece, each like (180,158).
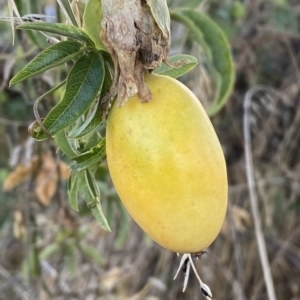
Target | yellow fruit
(168,167)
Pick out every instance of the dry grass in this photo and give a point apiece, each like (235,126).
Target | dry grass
(138,268)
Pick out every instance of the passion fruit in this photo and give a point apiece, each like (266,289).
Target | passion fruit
(168,167)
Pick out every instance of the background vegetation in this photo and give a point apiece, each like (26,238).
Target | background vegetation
(48,251)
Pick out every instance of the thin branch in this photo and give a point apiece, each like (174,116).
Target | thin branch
(253,196)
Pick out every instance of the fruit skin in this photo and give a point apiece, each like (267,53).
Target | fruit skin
(168,167)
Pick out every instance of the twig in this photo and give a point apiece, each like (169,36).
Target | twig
(17,287)
(253,196)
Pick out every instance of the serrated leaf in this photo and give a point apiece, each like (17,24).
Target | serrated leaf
(70,31)
(64,144)
(94,156)
(161,15)
(91,195)
(73,190)
(89,190)
(99,216)
(221,55)
(51,57)
(83,83)
(189,62)
(66,7)
(92,122)
(91,140)
(92,19)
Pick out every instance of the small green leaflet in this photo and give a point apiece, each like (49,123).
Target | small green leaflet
(92,18)
(100,217)
(51,57)
(65,145)
(83,84)
(89,190)
(70,31)
(84,183)
(89,141)
(73,190)
(92,122)
(90,158)
(188,63)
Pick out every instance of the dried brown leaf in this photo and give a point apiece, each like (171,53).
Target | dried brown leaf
(20,174)
(64,170)
(45,186)
(46,180)
(135,43)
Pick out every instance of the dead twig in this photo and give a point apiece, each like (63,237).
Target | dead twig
(252,192)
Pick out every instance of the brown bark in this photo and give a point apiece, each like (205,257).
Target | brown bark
(135,43)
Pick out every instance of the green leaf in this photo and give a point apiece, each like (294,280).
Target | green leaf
(92,157)
(196,33)
(88,189)
(109,210)
(221,56)
(65,5)
(51,57)
(64,144)
(83,83)
(161,15)
(70,31)
(73,190)
(189,62)
(92,19)
(91,140)
(92,122)
(99,216)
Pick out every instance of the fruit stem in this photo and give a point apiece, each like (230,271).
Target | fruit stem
(185,264)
